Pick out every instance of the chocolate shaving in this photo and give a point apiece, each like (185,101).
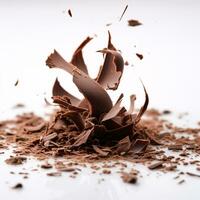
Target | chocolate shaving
(77,58)
(100,151)
(114,110)
(99,101)
(144,107)
(133,22)
(132,104)
(123,12)
(59,91)
(110,73)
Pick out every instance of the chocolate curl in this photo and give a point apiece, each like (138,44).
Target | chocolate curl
(144,107)
(110,73)
(77,58)
(97,97)
(58,90)
(114,110)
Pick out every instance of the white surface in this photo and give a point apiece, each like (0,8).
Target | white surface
(169,40)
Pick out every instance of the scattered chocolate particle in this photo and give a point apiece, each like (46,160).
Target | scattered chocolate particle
(133,22)
(198,168)
(18,186)
(109,24)
(140,56)
(126,63)
(16,83)
(19,105)
(193,174)
(70,13)
(46,166)
(181,181)
(123,12)
(56,174)
(15,160)
(166,112)
(175,147)
(129,178)
(156,165)
(106,171)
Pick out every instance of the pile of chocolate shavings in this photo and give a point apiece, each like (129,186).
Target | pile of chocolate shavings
(94,129)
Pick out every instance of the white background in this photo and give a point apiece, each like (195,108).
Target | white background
(169,39)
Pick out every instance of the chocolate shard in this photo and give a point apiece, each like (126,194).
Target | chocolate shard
(144,107)
(139,145)
(110,73)
(76,118)
(77,58)
(114,110)
(97,97)
(58,90)
(132,104)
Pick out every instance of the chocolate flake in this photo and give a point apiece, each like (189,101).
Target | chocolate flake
(16,83)
(133,22)
(70,13)
(18,160)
